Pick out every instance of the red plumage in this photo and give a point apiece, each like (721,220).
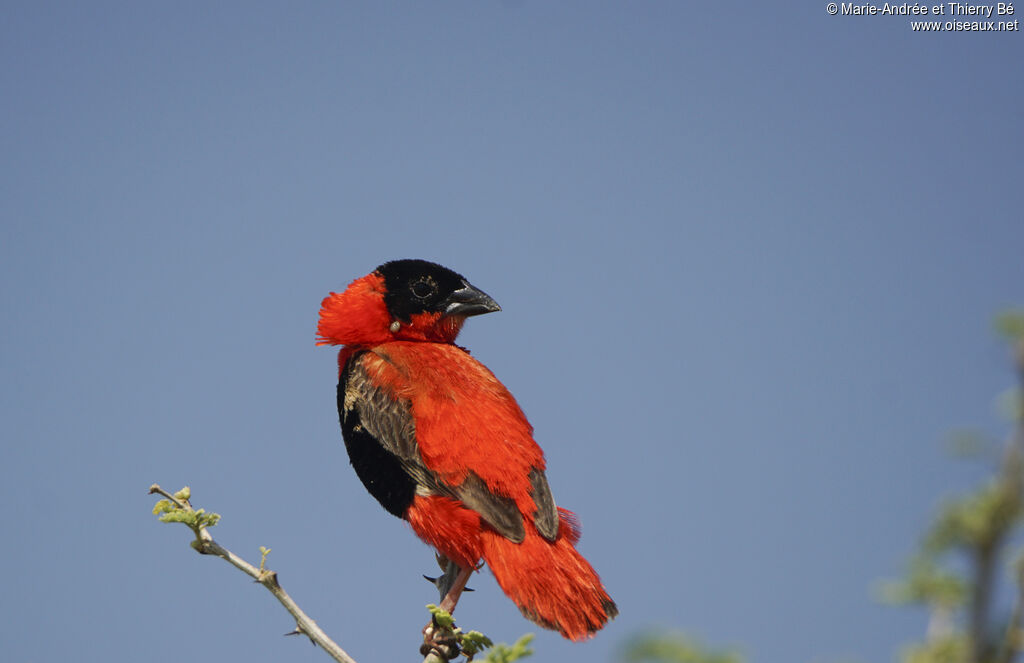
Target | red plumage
(459,461)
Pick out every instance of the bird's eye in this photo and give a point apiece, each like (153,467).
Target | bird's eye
(423,288)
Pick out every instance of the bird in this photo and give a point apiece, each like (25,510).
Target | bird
(441,443)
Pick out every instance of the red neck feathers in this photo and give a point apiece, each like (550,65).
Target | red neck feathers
(360,317)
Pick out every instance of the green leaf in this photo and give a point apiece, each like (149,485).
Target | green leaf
(179,516)
(673,647)
(183,494)
(502,653)
(163,506)
(197,519)
(1011,324)
(442,617)
(925,583)
(948,649)
(473,643)
(975,520)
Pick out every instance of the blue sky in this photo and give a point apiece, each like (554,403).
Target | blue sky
(747,258)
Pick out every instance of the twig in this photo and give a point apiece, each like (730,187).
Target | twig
(440,643)
(985,564)
(1014,638)
(205,545)
(1011,644)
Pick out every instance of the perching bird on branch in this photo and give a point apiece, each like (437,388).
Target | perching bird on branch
(441,443)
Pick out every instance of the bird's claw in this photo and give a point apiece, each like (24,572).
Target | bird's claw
(440,640)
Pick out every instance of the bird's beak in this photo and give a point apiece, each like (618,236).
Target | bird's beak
(467,301)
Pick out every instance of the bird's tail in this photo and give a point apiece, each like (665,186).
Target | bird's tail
(552,584)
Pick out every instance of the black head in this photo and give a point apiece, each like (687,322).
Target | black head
(418,286)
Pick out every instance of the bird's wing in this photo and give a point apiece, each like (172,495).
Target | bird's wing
(377,420)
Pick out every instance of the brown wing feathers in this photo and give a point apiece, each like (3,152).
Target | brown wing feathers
(368,411)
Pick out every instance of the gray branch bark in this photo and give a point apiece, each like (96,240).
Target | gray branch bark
(205,545)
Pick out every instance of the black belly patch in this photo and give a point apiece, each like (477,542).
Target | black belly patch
(380,470)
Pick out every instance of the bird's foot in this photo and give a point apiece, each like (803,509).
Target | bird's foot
(440,640)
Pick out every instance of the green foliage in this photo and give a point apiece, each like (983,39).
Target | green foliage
(1011,325)
(673,647)
(197,519)
(170,512)
(163,506)
(948,649)
(925,583)
(975,528)
(955,572)
(441,617)
(502,653)
(976,520)
(473,642)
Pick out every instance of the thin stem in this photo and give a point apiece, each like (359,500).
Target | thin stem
(304,624)
(155,488)
(984,567)
(1014,638)
(1014,629)
(451,599)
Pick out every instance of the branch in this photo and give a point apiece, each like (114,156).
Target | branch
(1010,646)
(442,640)
(1014,637)
(176,508)
(985,562)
